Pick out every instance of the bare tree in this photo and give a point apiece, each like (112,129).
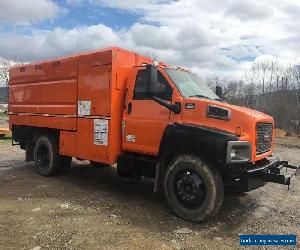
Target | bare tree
(270,87)
(5,66)
(4,69)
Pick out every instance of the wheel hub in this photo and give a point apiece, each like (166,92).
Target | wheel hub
(43,157)
(190,189)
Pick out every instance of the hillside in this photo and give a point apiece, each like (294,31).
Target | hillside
(3,94)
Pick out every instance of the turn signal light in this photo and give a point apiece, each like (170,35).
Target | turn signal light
(239,131)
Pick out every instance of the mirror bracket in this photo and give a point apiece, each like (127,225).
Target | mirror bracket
(176,108)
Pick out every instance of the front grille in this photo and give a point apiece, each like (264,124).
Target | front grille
(263,137)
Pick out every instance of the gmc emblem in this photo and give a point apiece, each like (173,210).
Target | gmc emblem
(267,138)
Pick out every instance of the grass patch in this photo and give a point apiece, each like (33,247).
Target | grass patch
(3,116)
(5,139)
(289,142)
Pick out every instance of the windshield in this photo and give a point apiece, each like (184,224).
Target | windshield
(190,85)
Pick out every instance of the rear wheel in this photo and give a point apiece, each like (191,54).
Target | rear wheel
(193,190)
(48,162)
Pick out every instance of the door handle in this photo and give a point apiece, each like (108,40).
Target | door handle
(129,108)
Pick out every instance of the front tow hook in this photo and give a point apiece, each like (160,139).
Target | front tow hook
(273,173)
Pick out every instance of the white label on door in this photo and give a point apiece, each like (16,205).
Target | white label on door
(100,131)
(130,138)
(84,108)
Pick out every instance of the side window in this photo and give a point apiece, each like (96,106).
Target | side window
(162,89)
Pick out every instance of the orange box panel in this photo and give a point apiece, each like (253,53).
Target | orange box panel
(50,94)
(85,141)
(64,68)
(62,123)
(94,85)
(67,143)
(44,88)
(55,97)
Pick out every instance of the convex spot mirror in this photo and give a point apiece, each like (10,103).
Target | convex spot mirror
(219,91)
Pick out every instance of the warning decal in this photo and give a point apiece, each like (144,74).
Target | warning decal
(100,131)
(84,108)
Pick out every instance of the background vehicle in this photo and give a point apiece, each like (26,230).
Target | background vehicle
(114,106)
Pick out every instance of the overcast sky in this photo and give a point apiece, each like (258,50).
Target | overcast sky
(212,37)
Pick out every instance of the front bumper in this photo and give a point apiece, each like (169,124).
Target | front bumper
(260,174)
(271,172)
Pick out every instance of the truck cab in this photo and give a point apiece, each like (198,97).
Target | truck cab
(154,120)
(200,143)
(178,96)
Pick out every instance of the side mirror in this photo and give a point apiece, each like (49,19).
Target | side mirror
(219,91)
(152,74)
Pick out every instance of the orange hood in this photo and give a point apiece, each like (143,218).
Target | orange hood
(241,117)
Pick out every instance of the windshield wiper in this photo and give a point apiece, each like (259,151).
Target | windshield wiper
(200,96)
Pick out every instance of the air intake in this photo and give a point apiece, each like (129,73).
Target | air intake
(218,112)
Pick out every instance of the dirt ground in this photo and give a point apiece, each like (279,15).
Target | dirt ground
(94,209)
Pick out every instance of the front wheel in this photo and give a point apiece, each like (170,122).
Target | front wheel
(193,189)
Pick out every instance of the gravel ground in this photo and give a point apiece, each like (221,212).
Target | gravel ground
(92,208)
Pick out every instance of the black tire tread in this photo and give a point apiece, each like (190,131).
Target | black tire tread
(59,164)
(217,184)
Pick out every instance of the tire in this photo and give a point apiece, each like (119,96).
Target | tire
(48,162)
(193,189)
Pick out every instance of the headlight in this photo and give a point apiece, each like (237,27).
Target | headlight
(233,153)
(238,151)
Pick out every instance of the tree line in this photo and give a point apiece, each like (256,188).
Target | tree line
(5,65)
(269,87)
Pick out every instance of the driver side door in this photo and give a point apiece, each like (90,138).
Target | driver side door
(145,120)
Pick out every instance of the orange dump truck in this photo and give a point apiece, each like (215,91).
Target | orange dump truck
(154,120)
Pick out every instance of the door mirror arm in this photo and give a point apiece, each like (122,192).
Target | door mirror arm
(172,107)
